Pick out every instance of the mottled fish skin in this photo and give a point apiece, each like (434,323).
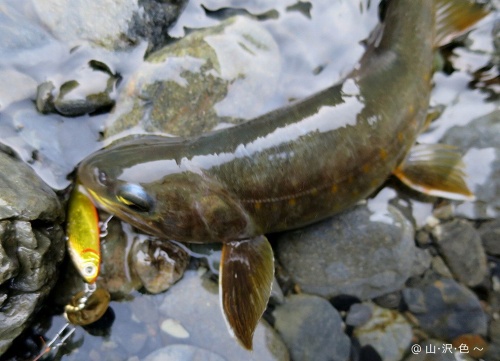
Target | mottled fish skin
(285,169)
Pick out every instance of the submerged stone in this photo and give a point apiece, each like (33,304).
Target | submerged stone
(312,329)
(387,331)
(325,258)
(193,303)
(446,309)
(218,75)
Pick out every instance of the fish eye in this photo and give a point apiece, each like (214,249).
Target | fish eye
(134,197)
(101,177)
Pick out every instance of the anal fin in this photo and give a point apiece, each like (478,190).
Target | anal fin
(245,279)
(454,17)
(436,170)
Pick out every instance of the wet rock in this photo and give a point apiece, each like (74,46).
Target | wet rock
(31,245)
(158,264)
(73,97)
(183,352)
(114,274)
(220,74)
(387,332)
(193,304)
(446,309)
(112,24)
(490,236)
(312,329)
(154,20)
(461,247)
(330,258)
(131,261)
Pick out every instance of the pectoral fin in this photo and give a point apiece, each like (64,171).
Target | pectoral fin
(245,280)
(436,170)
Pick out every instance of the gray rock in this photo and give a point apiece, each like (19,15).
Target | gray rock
(24,196)
(183,352)
(154,20)
(360,252)
(494,331)
(446,309)
(490,236)
(440,267)
(113,24)
(359,314)
(387,331)
(190,311)
(312,329)
(389,300)
(31,245)
(461,247)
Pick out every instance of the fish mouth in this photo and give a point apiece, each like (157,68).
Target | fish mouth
(123,213)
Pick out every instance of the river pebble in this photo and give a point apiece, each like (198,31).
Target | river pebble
(387,331)
(312,329)
(490,236)
(445,309)
(461,247)
(325,258)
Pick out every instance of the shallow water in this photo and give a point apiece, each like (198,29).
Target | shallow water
(316,47)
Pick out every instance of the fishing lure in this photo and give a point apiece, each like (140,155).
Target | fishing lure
(83,235)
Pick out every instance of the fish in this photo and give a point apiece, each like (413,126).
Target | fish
(83,234)
(292,166)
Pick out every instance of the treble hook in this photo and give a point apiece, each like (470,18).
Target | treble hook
(104,227)
(48,346)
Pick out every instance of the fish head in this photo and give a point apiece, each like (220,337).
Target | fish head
(157,193)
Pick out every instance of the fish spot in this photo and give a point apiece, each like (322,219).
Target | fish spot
(411,109)
(366,168)
(257,205)
(292,202)
(383,153)
(334,188)
(400,136)
(314,191)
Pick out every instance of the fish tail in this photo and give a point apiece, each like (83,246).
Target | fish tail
(454,17)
